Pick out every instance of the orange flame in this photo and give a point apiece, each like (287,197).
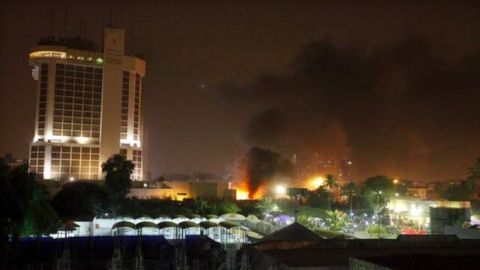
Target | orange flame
(244,193)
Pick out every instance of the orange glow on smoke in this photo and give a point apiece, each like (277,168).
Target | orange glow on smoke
(315,182)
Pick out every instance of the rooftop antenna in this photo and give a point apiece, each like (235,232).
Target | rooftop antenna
(50,23)
(122,17)
(103,29)
(79,34)
(110,10)
(131,36)
(82,29)
(65,30)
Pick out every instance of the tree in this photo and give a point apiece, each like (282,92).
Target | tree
(457,192)
(350,190)
(117,180)
(473,178)
(24,207)
(201,206)
(336,219)
(377,190)
(228,207)
(80,200)
(266,205)
(305,221)
(7,211)
(380,183)
(319,198)
(331,183)
(40,218)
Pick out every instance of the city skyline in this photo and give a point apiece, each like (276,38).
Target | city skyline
(208,97)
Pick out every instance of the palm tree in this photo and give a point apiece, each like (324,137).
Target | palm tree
(350,190)
(331,183)
(336,219)
(266,206)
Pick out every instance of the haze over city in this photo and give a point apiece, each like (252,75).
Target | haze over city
(234,135)
(392,87)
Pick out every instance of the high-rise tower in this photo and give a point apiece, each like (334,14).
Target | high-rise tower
(89,107)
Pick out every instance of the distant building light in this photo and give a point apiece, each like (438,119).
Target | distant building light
(82,140)
(35,72)
(99,61)
(80,58)
(55,138)
(71,178)
(130,142)
(53,54)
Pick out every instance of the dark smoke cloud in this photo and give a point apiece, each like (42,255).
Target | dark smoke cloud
(263,166)
(401,109)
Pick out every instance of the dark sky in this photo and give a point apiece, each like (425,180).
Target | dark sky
(393,86)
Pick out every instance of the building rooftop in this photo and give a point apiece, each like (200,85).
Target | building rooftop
(77,43)
(424,261)
(292,232)
(337,253)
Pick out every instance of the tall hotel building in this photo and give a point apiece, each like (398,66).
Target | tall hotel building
(89,107)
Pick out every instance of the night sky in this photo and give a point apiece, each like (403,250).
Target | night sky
(395,87)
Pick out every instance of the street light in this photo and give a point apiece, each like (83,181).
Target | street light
(378,212)
(281,190)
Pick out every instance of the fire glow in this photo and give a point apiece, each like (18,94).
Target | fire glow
(243,193)
(315,182)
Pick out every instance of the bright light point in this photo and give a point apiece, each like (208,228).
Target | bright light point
(395,181)
(380,192)
(82,140)
(99,61)
(71,178)
(145,185)
(396,194)
(316,182)
(415,211)
(242,194)
(280,190)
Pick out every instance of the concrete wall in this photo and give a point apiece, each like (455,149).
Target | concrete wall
(112,93)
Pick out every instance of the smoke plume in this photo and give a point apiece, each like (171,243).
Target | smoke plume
(399,109)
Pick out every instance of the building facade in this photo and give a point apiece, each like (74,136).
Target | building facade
(89,107)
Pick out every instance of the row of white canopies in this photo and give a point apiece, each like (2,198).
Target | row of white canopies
(226,228)
(232,217)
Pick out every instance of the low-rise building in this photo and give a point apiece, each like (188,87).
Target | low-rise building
(415,212)
(180,190)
